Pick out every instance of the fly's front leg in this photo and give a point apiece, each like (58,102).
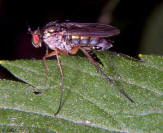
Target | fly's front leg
(46,70)
(54,53)
(45,64)
(61,86)
(57,51)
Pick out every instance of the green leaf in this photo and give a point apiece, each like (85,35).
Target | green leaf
(90,103)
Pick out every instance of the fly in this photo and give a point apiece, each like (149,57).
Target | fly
(65,38)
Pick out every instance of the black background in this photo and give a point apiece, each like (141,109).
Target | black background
(15,17)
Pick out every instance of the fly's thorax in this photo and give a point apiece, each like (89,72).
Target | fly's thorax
(55,39)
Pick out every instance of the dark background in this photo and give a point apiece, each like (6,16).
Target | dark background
(129,16)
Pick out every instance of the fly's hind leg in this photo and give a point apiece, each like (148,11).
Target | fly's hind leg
(126,56)
(104,75)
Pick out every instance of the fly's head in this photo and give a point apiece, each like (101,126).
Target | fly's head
(36,37)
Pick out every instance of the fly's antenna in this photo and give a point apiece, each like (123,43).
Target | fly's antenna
(30,30)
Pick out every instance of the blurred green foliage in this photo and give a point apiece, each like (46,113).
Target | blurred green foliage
(152,37)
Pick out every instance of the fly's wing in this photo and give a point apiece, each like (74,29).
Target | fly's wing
(90,29)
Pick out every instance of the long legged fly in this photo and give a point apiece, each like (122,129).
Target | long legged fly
(65,38)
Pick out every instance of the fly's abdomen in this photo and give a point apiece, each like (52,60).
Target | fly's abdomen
(80,40)
(102,45)
(83,40)
(96,43)
(75,39)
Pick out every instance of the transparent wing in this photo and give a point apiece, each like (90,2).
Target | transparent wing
(90,29)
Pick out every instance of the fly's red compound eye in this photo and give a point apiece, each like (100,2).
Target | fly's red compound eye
(36,41)
(36,37)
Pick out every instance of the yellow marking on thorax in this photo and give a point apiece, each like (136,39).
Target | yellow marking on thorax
(47,34)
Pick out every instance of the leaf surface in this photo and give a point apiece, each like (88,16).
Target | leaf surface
(90,103)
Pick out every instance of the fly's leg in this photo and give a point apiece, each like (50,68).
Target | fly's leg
(61,95)
(74,50)
(47,55)
(94,56)
(54,53)
(46,68)
(46,71)
(104,75)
